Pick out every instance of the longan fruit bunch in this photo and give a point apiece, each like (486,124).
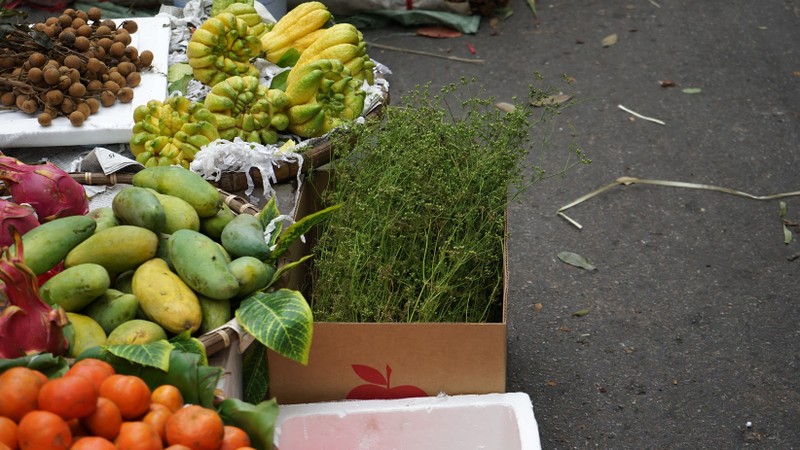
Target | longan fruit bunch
(70,65)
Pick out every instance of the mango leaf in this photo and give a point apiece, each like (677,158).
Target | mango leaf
(576,260)
(281,320)
(297,229)
(255,373)
(186,343)
(258,420)
(289,58)
(609,40)
(279,81)
(285,268)
(266,215)
(153,354)
(47,363)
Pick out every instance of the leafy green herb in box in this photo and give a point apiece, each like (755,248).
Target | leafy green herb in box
(424,192)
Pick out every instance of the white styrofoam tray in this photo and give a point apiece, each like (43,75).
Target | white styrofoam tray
(460,422)
(111,125)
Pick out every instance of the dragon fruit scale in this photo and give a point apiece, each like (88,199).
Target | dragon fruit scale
(19,217)
(48,189)
(28,325)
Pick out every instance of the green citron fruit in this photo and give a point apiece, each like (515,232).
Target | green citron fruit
(112,309)
(136,331)
(87,333)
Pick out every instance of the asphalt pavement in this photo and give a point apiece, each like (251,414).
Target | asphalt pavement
(686,334)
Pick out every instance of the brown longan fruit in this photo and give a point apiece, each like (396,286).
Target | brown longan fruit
(29,106)
(76,118)
(84,109)
(51,31)
(96,66)
(93,103)
(81,14)
(116,77)
(117,50)
(73,61)
(64,82)
(122,35)
(7,62)
(67,106)
(77,22)
(19,100)
(125,95)
(107,98)
(53,97)
(16,72)
(82,43)
(105,43)
(131,53)
(146,58)
(64,20)
(37,59)
(111,86)
(109,23)
(77,90)
(74,75)
(126,67)
(94,13)
(35,75)
(51,20)
(94,86)
(52,76)
(133,79)
(103,31)
(99,52)
(70,12)
(67,36)
(85,31)
(130,26)
(39,26)
(45,119)
(8,99)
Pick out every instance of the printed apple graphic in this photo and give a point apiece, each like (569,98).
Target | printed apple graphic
(379,386)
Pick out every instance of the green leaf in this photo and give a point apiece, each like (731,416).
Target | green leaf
(266,215)
(289,58)
(692,90)
(285,268)
(787,235)
(255,373)
(153,354)
(279,81)
(580,313)
(47,363)
(783,209)
(576,260)
(186,343)
(178,71)
(258,421)
(281,320)
(297,229)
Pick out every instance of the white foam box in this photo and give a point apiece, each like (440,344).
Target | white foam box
(502,421)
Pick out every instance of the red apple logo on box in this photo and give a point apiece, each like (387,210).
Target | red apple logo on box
(379,386)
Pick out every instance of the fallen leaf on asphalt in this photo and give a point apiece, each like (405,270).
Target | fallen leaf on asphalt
(667,83)
(796,73)
(471,48)
(692,90)
(580,313)
(552,100)
(564,329)
(438,32)
(609,40)
(576,260)
(538,306)
(551,383)
(505,107)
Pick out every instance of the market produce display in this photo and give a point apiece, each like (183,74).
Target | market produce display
(69,65)
(91,406)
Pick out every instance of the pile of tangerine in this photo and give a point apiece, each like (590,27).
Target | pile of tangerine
(94,408)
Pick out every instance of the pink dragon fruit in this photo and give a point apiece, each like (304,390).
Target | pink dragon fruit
(28,325)
(47,188)
(19,217)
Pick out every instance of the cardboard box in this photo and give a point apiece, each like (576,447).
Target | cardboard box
(463,422)
(386,360)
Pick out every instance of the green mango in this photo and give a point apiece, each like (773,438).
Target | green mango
(112,309)
(244,236)
(136,331)
(75,287)
(201,264)
(215,313)
(138,206)
(104,218)
(87,334)
(213,226)
(251,273)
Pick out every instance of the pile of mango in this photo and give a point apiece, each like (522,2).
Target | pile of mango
(167,257)
(321,90)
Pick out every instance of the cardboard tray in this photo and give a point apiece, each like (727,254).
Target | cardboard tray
(393,359)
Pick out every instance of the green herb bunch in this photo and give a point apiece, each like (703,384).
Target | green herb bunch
(424,189)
